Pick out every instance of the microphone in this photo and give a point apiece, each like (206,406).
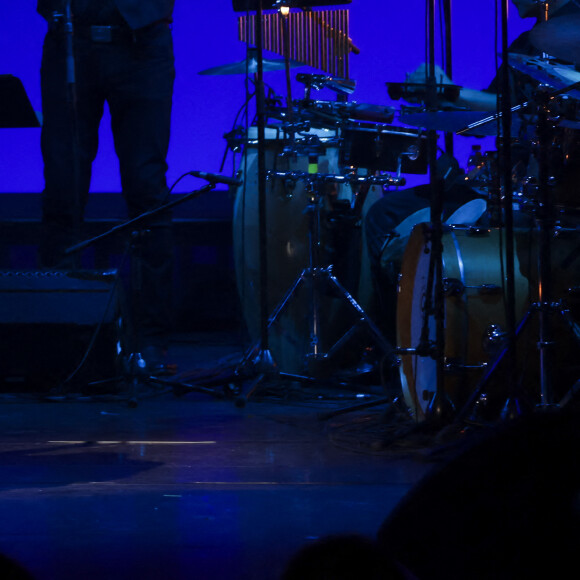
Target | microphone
(216,178)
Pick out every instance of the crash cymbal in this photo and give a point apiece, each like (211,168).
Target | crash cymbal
(366,112)
(417,92)
(547,72)
(249,66)
(337,112)
(448,121)
(559,37)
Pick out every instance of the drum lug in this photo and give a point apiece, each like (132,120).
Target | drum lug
(453,287)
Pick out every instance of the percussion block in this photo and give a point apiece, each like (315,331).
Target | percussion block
(383,148)
(47,322)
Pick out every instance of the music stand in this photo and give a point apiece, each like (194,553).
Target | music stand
(16,111)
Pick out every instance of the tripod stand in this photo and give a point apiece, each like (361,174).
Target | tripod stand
(320,281)
(135,371)
(546,307)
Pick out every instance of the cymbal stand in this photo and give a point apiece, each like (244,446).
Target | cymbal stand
(546,306)
(263,360)
(512,405)
(316,272)
(319,277)
(545,222)
(440,408)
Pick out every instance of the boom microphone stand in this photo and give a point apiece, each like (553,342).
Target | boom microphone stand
(135,368)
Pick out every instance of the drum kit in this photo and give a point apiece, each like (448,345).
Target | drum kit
(329,161)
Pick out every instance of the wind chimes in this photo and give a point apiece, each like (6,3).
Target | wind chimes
(316,38)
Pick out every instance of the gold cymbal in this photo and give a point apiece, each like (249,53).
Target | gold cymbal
(249,66)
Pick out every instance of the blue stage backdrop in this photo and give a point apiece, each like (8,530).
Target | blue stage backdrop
(389,34)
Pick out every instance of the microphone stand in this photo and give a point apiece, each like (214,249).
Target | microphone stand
(448,62)
(135,371)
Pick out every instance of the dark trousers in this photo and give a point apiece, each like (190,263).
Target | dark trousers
(134,74)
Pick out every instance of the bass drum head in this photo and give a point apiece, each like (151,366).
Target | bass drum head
(288,253)
(474,317)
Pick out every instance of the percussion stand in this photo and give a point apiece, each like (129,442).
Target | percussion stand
(319,276)
(546,305)
(512,407)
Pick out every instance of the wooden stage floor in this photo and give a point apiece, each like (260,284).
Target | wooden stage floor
(193,486)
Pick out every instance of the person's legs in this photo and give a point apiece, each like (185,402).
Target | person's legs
(69,142)
(380,223)
(140,88)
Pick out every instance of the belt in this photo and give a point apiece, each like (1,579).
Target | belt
(105,34)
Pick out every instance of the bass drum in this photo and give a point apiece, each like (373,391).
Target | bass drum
(475,320)
(288,254)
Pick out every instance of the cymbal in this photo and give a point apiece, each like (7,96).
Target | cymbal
(336,112)
(469,123)
(249,66)
(448,121)
(546,72)
(366,112)
(414,92)
(559,37)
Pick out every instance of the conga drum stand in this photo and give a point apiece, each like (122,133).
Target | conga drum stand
(320,279)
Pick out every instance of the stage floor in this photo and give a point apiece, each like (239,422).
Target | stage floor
(193,486)
(189,486)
